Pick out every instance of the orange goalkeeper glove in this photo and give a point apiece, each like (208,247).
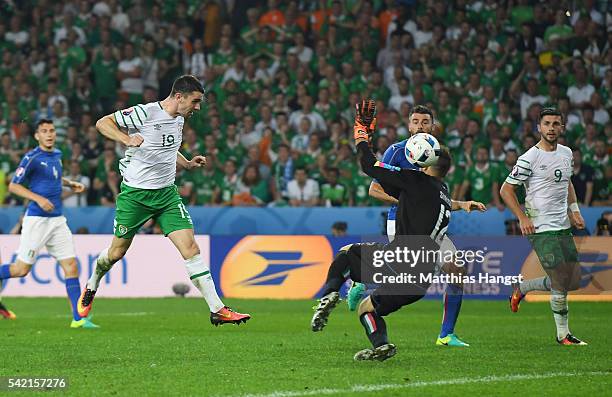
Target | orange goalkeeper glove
(365,120)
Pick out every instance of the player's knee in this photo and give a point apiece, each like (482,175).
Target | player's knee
(71,269)
(116,253)
(345,248)
(191,250)
(574,284)
(341,256)
(366,306)
(20,269)
(459,271)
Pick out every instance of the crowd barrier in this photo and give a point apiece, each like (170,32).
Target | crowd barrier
(224,221)
(287,267)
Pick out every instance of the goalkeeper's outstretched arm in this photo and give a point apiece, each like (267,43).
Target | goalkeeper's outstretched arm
(393,179)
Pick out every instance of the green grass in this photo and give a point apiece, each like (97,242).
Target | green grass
(168,347)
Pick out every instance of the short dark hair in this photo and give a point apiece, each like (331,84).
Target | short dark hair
(444,162)
(43,121)
(333,170)
(421,109)
(340,226)
(549,112)
(186,84)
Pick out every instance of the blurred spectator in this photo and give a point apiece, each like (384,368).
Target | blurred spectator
(282,173)
(130,74)
(251,189)
(316,120)
(581,91)
(70,198)
(582,179)
(480,183)
(227,184)
(604,224)
(334,193)
(249,135)
(600,161)
(302,191)
(338,229)
(485,67)
(106,190)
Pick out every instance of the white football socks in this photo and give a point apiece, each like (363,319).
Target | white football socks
(200,276)
(535,284)
(558,304)
(101,266)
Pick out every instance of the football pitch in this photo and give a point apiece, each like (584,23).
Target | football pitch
(168,347)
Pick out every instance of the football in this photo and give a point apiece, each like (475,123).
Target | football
(422,150)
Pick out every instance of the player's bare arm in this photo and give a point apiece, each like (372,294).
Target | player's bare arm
(109,128)
(508,194)
(495,194)
(468,206)
(24,192)
(377,191)
(196,162)
(573,209)
(463,189)
(76,187)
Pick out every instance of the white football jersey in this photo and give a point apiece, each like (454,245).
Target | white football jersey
(546,176)
(152,165)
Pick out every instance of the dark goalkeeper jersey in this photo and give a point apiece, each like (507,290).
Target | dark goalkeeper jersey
(424,204)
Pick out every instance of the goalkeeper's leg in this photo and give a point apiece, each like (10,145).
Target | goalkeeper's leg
(346,264)
(340,269)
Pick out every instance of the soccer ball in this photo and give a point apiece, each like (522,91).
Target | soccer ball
(422,150)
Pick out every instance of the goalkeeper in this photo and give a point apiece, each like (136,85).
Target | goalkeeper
(423,209)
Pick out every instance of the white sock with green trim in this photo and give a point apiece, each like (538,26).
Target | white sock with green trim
(558,304)
(101,266)
(200,276)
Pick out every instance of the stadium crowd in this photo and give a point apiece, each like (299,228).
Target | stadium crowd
(282,78)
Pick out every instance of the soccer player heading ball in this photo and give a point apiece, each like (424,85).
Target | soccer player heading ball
(154,136)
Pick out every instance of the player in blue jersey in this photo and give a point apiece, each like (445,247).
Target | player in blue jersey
(421,120)
(5,313)
(43,223)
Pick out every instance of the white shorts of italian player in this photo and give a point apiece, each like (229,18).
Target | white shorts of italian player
(50,232)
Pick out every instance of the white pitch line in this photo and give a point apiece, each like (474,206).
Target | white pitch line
(109,314)
(132,314)
(461,381)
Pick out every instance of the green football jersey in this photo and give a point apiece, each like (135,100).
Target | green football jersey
(227,187)
(204,184)
(481,183)
(334,195)
(360,191)
(454,178)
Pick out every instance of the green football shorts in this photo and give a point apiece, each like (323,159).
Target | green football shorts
(554,247)
(136,206)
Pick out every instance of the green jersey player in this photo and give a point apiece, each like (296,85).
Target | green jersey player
(154,136)
(546,170)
